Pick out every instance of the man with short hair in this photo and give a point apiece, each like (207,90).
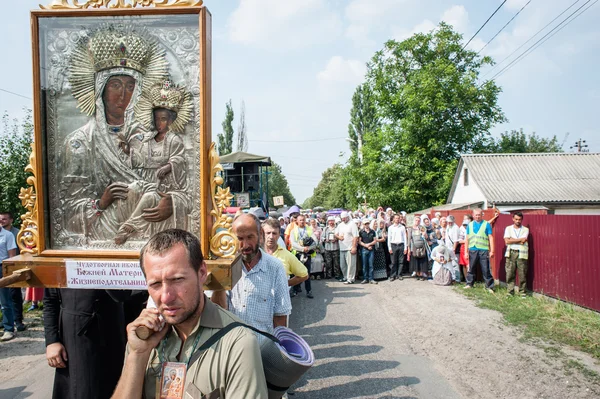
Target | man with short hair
(332,251)
(291,264)
(304,244)
(347,235)
(183,320)
(517,254)
(367,242)
(6,221)
(480,246)
(397,247)
(8,249)
(261,297)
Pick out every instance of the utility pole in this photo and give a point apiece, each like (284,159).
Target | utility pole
(580,146)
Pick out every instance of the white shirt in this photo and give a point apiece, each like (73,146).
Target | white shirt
(396,235)
(452,236)
(349,231)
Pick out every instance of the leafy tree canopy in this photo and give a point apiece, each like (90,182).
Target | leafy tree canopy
(516,141)
(427,91)
(15,148)
(278,185)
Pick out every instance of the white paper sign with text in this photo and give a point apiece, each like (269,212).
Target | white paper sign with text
(105,274)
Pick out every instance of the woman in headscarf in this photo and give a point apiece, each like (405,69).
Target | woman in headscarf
(380,265)
(417,250)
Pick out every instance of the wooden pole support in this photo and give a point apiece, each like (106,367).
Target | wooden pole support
(15,277)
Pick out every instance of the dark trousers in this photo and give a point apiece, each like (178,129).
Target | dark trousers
(17,300)
(332,264)
(481,257)
(307,263)
(8,315)
(397,259)
(368,257)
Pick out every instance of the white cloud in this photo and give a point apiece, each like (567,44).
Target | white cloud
(341,70)
(276,23)
(458,17)
(371,10)
(340,77)
(363,15)
(422,27)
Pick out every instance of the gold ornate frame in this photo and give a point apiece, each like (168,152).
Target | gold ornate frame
(217,241)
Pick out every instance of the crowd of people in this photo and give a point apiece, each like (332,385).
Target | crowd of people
(85,329)
(381,244)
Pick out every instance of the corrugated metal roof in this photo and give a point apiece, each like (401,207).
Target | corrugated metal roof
(537,178)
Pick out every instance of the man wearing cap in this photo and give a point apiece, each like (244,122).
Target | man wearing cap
(332,250)
(367,242)
(347,235)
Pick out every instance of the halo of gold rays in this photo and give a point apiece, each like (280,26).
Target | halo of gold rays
(112,47)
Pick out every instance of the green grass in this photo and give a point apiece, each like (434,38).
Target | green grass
(540,317)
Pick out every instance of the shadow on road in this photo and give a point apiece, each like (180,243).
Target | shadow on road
(12,393)
(353,368)
(368,387)
(342,351)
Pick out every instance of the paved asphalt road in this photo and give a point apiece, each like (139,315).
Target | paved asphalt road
(360,352)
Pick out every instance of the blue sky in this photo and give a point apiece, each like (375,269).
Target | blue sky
(295,64)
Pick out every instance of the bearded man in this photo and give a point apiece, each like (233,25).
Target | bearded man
(260,298)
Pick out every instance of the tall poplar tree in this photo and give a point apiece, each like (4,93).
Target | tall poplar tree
(225,139)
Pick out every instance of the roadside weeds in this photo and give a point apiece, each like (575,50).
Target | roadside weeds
(554,322)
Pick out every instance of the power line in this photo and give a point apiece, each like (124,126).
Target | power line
(16,94)
(531,38)
(484,24)
(296,141)
(534,46)
(505,25)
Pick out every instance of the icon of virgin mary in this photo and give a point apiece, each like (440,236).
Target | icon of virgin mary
(110,69)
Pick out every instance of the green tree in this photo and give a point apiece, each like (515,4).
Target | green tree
(434,108)
(335,189)
(226,138)
(516,141)
(242,135)
(278,185)
(15,148)
(363,119)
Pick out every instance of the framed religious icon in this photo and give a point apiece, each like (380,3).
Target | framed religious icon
(122,126)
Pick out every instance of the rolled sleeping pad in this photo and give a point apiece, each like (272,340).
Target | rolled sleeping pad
(286,362)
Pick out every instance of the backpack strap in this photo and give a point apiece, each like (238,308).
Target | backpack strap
(221,333)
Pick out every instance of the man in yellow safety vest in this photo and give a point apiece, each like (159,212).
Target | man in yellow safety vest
(480,245)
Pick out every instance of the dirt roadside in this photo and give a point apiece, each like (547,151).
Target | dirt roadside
(478,353)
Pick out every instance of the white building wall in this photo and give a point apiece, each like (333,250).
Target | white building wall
(464,194)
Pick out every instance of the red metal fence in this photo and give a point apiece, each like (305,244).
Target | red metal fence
(564,256)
